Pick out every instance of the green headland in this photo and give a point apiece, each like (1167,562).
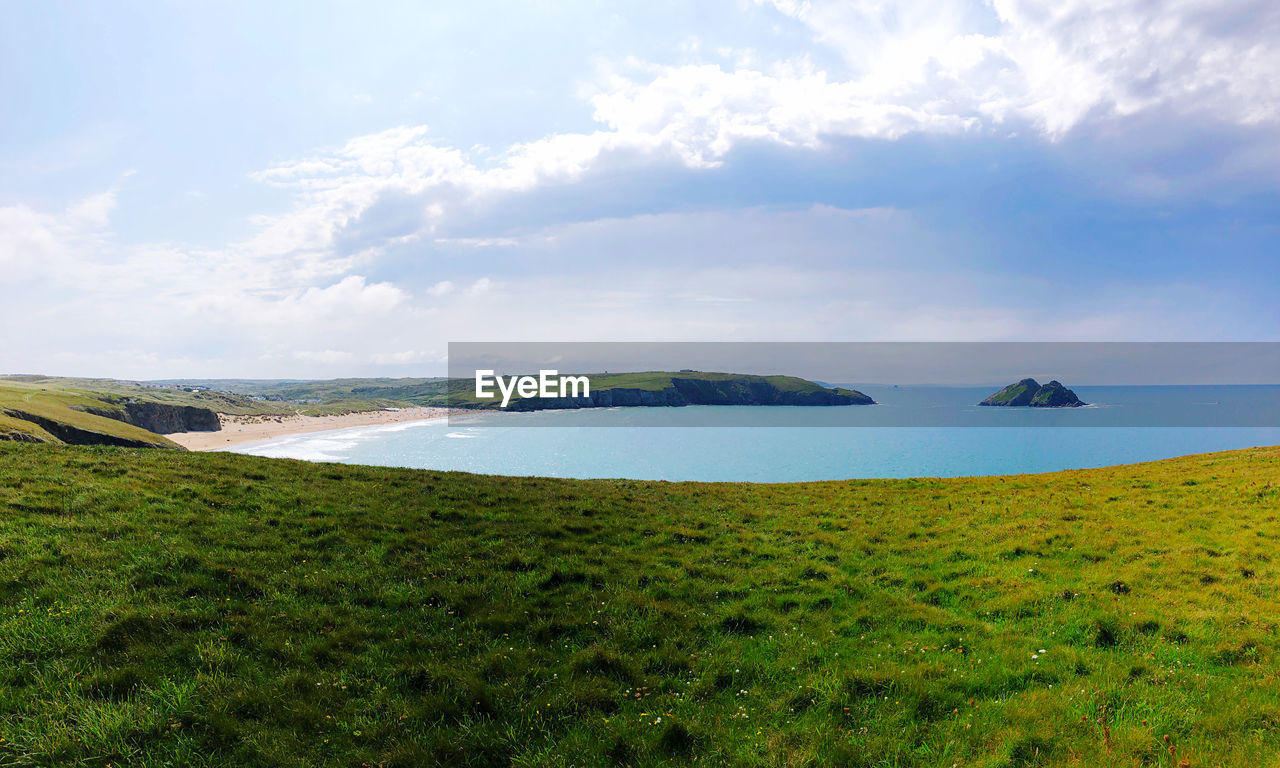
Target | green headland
(171,608)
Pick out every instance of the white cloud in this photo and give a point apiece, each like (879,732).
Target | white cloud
(27,240)
(35,244)
(341,310)
(442,288)
(1010,67)
(407,357)
(154,307)
(93,211)
(1056,64)
(479,242)
(326,356)
(701,112)
(351,294)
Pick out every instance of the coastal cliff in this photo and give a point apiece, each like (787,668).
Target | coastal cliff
(1029,393)
(165,419)
(160,418)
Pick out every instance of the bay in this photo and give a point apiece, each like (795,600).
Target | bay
(651,444)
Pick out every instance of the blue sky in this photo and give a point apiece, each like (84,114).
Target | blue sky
(324,189)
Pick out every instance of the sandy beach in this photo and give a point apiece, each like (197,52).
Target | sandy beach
(237,430)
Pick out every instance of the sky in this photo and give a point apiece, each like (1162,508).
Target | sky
(316,189)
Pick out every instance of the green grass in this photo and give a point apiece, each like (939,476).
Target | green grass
(165,608)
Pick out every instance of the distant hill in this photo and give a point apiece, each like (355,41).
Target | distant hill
(335,394)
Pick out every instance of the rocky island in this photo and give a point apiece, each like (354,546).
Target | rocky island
(1030,393)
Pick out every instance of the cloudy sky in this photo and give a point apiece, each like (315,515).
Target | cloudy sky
(314,189)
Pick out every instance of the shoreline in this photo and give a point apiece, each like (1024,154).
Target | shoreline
(239,430)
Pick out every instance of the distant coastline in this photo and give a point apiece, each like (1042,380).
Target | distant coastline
(674,389)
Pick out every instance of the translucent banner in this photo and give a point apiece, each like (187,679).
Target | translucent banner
(865,384)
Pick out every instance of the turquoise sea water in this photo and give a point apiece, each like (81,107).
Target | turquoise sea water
(640,443)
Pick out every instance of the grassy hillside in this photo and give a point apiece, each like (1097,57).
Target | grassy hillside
(38,410)
(164,608)
(238,398)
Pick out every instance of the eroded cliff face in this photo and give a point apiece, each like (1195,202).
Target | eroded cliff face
(162,418)
(165,419)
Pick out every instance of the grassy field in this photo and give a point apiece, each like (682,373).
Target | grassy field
(165,608)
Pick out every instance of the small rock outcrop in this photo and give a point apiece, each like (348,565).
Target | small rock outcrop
(1030,393)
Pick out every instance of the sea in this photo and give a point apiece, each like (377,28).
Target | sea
(912,432)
